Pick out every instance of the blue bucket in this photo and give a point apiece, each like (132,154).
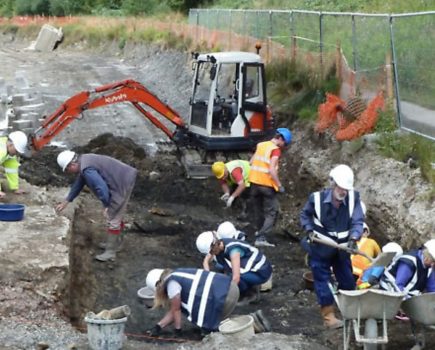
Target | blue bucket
(11,212)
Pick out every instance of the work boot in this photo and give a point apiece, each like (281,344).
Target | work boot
(112,245)
(120,237)
(329,319)
(261,324)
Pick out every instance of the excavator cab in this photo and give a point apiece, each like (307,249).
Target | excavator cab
(228,107)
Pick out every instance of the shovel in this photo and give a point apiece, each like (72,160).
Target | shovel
(315,238)
(382,259)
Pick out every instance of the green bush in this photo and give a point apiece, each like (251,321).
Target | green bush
(295,88)
(387,121)
(411,148)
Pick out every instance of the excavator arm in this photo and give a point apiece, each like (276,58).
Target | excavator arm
(122,91)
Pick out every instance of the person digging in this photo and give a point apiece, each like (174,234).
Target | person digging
(334,215)
(112,183)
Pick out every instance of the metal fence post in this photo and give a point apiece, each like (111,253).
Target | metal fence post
(354,55)
(269,39)
(292,38)
(197,28)
(321,43)
(217,20)
(396,77)
(245,32)
(257,29)
(230,30)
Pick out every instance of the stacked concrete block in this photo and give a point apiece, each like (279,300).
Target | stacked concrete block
(48,37)
(21,109)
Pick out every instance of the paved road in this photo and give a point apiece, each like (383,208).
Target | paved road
(418,118)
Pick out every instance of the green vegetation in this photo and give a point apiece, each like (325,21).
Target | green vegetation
(94,7)
(371,6)
(96,33)
(148,7)
(412,148)
(297,89)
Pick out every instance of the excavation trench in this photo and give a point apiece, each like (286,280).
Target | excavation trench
(166,213)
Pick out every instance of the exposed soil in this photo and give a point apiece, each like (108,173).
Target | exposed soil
(167,211)
(164,218)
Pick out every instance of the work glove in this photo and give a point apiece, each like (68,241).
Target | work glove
(178,333)
(230,201)
(225,197)
(155,331)
(351,244)
(281,189)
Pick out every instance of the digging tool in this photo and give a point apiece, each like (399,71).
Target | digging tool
(314,238)
(382,259)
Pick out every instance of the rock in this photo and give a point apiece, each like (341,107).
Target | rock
(154,175)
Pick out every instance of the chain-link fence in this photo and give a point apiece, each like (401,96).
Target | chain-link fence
(371,52)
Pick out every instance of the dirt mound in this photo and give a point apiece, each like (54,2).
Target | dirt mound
(42,169)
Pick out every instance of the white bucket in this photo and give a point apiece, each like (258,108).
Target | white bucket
(241,327)
(146,295)
(106,334)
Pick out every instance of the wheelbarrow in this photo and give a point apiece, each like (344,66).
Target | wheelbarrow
(420,309)
(361,309)
(367,307)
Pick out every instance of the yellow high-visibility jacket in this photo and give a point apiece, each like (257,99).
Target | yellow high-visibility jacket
(10,164)
(360,263)
(246,169)
(260,173)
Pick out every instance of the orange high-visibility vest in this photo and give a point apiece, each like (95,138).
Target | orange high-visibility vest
(260,173)
(360,263)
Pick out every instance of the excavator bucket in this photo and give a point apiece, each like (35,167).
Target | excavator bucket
(193,165)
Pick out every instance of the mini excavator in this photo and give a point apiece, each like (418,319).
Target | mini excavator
(228,108)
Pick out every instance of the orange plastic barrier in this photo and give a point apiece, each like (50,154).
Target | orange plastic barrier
(333,113)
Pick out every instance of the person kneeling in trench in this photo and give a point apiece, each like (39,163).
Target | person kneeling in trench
(206,298)
(246,265)
(111,181)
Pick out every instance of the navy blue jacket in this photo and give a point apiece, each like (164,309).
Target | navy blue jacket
(252,260)
(203,295)
(336,224)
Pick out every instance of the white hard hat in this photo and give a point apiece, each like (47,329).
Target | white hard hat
(204,241)
(19,139)
(153,277)
(392,247)
(366,227)
(430,245)
(363,207)
(342,176)
(226,230)
(64,158)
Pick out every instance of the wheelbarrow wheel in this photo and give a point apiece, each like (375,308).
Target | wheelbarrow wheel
(370,332)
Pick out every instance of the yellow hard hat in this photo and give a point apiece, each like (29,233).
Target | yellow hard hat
(218,169)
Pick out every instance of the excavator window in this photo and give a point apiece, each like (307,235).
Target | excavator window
(251,88)
(225,104)
(203,82)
